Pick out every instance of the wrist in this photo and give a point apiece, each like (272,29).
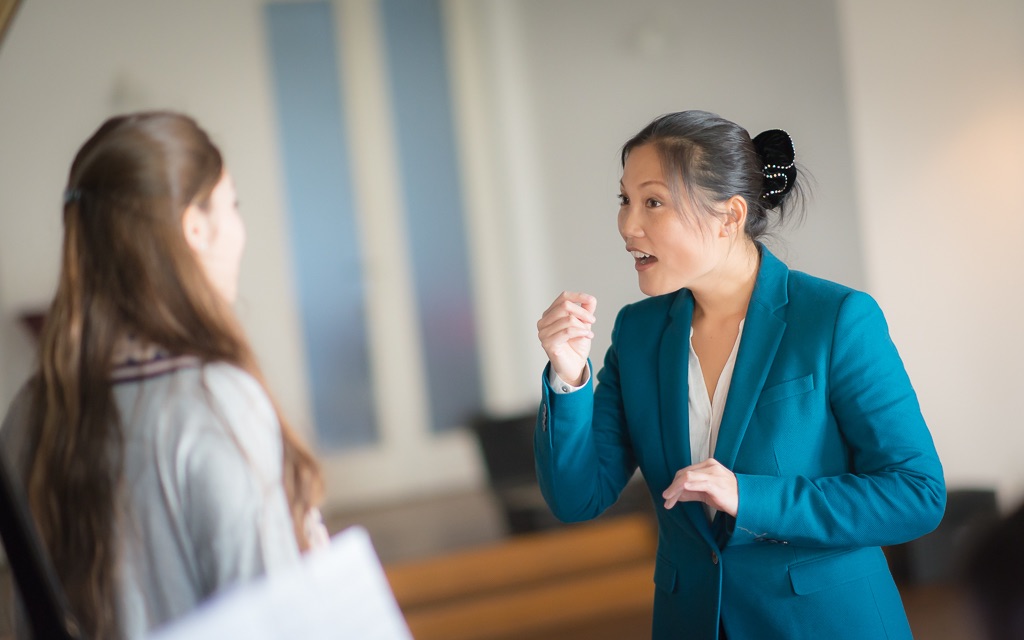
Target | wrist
(565,384)
(574,379)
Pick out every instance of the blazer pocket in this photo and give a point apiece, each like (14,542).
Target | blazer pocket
(787,389)
(816,574)
(665,575)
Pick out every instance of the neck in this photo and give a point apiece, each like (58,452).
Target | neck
(725,293)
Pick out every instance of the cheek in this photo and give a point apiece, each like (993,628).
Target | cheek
(242,237)
(238,236)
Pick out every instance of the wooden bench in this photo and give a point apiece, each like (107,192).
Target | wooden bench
(590,580)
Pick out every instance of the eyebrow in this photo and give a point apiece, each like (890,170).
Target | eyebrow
(644,184)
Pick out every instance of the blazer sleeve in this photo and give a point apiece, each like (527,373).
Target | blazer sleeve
(894,491)
(582,450)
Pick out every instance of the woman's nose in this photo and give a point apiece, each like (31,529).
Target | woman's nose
(628,224)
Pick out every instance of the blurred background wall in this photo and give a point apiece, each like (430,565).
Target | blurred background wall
(910,119)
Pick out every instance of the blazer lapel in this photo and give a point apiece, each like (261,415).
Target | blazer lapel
(762,333)
(673,393)
(673,387)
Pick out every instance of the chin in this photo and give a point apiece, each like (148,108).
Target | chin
(653,289)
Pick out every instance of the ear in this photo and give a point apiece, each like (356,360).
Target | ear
(734,218)
(197,228)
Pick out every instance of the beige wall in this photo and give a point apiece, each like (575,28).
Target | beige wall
(937,102)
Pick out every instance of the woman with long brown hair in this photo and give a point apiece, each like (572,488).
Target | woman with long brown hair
(157,466)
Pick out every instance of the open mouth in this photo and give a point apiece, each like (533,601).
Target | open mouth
(642,258)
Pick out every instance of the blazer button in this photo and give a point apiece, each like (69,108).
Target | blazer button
(714,558)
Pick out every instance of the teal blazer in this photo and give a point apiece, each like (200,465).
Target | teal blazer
(824,433)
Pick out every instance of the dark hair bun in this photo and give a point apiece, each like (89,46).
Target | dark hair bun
(777,154)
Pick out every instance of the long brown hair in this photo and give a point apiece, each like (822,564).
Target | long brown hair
(126,267)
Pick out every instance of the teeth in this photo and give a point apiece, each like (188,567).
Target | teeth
(640,255)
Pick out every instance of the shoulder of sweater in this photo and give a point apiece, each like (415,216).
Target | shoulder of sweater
(192,400)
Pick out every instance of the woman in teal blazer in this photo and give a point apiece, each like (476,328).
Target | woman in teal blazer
(768,410)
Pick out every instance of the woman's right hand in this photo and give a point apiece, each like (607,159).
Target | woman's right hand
(564,332)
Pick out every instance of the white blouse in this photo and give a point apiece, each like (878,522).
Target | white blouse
(706,412)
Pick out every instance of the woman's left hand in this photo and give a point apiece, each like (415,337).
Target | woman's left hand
(317,536)
(708,482)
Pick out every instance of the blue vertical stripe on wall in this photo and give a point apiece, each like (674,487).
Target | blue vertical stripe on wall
(430,180)
(324,244)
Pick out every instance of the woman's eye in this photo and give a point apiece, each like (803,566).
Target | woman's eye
(652,203)
(623,199)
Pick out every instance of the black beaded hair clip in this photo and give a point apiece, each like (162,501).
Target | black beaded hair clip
(778,157)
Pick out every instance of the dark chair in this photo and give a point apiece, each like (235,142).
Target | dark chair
(43,602)
(507,447)
(936,557)
(993,576)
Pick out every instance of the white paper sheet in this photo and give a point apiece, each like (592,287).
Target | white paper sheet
(337,592)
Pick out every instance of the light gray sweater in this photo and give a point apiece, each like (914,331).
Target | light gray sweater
(204,505)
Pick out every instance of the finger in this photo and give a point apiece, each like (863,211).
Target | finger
(576,349)
(550,325)
(555,321)
(700,485)
(705,497)
(588,302)
(578,297)
(675,487)
(706,465)
(573,303)
(702,481)
(675,498)
(672,500)
(681,477)
(563,332)
(675,493)
(703,466)
(562,298)
(563,329)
